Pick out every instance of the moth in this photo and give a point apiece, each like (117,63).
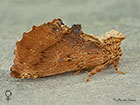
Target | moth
(54,48)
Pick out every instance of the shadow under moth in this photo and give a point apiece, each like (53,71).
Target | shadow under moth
(54,48)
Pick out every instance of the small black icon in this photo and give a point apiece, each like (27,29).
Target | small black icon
(8,93)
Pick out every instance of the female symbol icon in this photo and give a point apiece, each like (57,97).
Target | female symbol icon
(8,93)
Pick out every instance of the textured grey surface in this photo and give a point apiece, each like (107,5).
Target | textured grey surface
(96,17)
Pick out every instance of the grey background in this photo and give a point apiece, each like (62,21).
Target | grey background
(96,17)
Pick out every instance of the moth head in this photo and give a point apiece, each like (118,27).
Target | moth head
(116,35)
(111,37)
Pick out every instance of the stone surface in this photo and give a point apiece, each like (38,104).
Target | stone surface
(96,17)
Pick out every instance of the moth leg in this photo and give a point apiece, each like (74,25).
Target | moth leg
(94,71)
(76,72)
(115,66)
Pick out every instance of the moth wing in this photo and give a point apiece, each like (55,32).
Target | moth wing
(35,41)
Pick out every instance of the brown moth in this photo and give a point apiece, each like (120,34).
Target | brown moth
(53,48)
